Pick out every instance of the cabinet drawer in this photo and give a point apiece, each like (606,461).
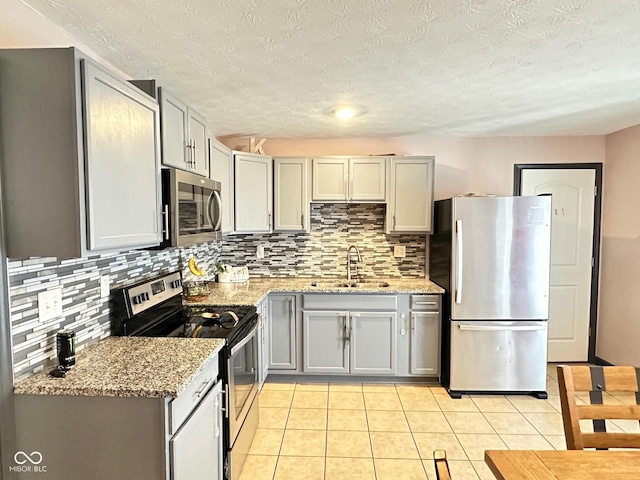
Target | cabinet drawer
(349,302)
(181,407)
(425,302)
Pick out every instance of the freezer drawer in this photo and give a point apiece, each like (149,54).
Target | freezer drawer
(509,356)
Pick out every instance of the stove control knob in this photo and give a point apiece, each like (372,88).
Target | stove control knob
(176,283)
(136,300)
(145,296)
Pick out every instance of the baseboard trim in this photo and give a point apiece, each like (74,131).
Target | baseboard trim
(601,361)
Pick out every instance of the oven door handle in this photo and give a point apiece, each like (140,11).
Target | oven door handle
(245,340)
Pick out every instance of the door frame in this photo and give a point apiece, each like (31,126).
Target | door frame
(597,220)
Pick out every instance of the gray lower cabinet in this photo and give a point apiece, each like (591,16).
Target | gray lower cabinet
(142,438)
(425,343)
(349,342)
(373,342)
(282,332)
(325,344)
(80,153)
(263,342)
(196,449)
(424,334)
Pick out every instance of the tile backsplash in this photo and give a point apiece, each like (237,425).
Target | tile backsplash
(320,253)
(323,251)
(83,309)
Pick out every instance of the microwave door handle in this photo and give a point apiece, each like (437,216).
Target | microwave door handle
(218,221)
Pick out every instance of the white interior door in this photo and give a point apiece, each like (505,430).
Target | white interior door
(573,199)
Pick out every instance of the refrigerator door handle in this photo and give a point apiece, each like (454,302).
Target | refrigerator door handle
(505,328)
(458,261)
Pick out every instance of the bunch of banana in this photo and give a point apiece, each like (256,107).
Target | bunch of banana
(193,267)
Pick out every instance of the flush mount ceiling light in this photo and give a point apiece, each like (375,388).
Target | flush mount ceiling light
(347,112)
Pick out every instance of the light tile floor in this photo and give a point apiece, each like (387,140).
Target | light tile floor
(337,431)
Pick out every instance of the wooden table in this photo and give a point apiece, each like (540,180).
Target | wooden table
(563,465)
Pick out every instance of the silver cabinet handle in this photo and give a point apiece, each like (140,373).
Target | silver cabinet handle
(403,321)
(269,220)
(290,308)
(302,221)
(193,150)
(344,316)
(414,319)
(426,303)
(394,221)
(165,214)
(459,260)
(202,388)
(225,409)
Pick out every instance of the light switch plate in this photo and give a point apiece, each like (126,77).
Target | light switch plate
(104,286)
(260,252)
(50,304)
(399,251)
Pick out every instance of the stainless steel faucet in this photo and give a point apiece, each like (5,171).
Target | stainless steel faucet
(359,259)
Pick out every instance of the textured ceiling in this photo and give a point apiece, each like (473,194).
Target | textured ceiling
(275,68)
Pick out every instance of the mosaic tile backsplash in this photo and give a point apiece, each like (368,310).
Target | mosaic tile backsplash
(320,253)
(83,309)
(323,251)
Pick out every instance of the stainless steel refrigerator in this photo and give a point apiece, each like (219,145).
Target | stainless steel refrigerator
(491,255)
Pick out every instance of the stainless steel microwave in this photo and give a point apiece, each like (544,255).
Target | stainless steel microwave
(192,208)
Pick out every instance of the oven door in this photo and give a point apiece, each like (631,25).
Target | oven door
(242,368)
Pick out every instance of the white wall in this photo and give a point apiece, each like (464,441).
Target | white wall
(23,27)
(462,164)
(619,312)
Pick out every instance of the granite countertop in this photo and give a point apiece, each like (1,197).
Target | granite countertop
(253,291)
(129,367)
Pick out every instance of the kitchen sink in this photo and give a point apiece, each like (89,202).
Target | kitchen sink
(349,284)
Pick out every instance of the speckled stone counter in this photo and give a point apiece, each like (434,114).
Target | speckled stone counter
(255,290)
(129,367)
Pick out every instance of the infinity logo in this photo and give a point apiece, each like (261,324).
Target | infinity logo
(35,458)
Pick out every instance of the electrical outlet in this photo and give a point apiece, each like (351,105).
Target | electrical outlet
(50,304)
(400,251)
(260,252)
(104,286)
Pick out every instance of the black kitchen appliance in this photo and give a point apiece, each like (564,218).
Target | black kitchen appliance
(154,308)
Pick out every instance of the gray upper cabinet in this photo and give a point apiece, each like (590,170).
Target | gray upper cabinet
(291,198)
(80,154)
(410,201)
(253,180)
(281,333)
(338,179)
(184,135)
(221,170)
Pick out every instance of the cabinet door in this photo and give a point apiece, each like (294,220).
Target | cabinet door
(291,201)
(425,343)
(373,342)
(329,179)
(282,332)
(410,206)
(265,339)
(367,179)
(199,141)
(174,131)
(253,193)
(121,163)
(325,345)
(196,449)
(221,170)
